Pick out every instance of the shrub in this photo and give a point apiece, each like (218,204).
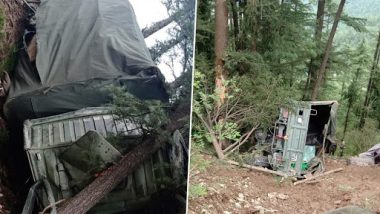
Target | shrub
(360,140)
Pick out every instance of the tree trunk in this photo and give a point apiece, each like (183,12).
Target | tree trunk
(110,178)
(320,18)
(255,29)
(317,36)
(322,69)
(235,20)
(101,186)
(364,113)
(351,100)
(221,36)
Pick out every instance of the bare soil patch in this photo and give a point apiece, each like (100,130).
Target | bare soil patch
(232,189)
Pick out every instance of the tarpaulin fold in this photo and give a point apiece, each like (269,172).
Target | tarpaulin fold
(82,46)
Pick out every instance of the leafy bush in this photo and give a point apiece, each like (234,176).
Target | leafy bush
(360,140)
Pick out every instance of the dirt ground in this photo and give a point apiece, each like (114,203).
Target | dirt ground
(230,189)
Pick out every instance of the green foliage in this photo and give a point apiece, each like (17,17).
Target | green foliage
(197,190)
(268,60)
(360,140)
(197,161)
(204,108)
(9,63)
(150,116)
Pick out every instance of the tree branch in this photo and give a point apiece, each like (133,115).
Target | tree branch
(162,47)
(147,31)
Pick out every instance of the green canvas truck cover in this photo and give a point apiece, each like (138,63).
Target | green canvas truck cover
(83,47)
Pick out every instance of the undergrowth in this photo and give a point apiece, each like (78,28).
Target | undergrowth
(360,140)
(197,190)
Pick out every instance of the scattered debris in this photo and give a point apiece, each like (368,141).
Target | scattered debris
(262,209)
(261,169)
(318,176)
(371,157)
(281,196)
(337,202)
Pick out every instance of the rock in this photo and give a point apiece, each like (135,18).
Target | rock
(282,196)
(272,195)
(255,202)
(346,197)
(241,197)
(205,211)
(361,161)
(337,202)
(265,210)
(226,212)
(237,205)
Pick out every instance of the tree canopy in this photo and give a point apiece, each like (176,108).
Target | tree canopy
(274,55)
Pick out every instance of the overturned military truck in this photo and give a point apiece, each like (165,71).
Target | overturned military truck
(301,133)
(82,49)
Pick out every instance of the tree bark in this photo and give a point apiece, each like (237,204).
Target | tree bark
(101,186)
(320,18)
(364,113)
(317,37)
(322,69)
(255,29)
(109,179)
(351,100)
(221,38)
(235,20)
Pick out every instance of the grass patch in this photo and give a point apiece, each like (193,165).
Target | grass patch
(197,161)
(197,190)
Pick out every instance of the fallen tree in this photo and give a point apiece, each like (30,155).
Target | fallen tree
(111,177)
